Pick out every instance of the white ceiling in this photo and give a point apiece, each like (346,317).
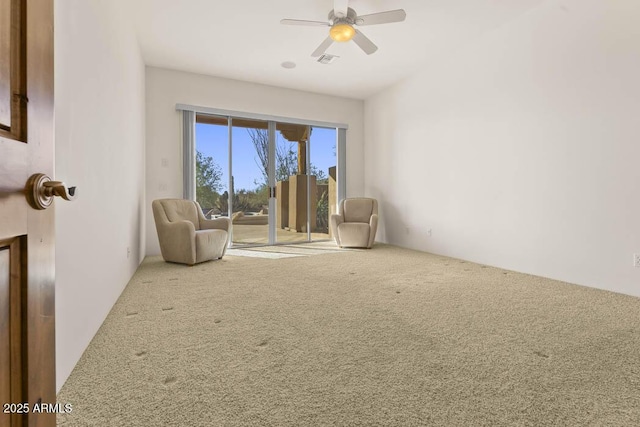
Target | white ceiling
(244,40)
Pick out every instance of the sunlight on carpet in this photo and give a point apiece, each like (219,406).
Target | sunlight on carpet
(260,253)
(287,251)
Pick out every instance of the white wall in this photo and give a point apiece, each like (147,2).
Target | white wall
(166,88)
(99,107)
(521,150)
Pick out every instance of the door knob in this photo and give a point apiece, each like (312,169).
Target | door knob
(41,191)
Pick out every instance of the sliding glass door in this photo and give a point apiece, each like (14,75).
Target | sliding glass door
(275,180)
(212,165)
(292,213)
(249,182)
(322,166)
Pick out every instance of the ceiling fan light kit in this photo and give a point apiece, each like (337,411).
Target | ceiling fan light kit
(341,26)
(342,32)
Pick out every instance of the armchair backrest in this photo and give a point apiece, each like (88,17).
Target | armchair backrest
(358,209)
(171,210)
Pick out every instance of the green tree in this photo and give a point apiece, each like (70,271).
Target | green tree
(208,180)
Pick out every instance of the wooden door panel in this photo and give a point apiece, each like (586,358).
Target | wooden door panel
(40,286)
(5,64)
(13,177)
(5,333)
(13,69)
(26,148)
(12,343)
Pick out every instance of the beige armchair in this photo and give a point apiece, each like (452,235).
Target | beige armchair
(356,223)
(185,235)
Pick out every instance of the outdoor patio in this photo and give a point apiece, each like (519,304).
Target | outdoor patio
(259,234)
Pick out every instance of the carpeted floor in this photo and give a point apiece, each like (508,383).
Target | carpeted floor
(384,337)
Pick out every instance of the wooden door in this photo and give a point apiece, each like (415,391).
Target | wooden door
(27,342)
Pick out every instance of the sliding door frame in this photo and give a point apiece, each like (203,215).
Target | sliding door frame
(189,113)
(260,117)
(308,181)
(271,166)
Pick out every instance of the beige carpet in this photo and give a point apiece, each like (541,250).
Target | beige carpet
(385,337)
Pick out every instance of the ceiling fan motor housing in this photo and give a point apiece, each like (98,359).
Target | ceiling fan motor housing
(350,19)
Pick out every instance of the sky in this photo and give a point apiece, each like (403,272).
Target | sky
(212,141)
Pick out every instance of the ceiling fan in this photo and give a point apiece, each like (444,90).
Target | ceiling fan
(341,22)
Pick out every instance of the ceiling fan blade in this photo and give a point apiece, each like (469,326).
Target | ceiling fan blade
(364,43)
(340,8)
(323,47)
(387,17)
(303,22)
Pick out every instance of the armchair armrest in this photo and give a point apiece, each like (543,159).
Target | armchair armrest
(373,221)
(178,241)
(334,222)
(217,223)
(373,225)
(182,227)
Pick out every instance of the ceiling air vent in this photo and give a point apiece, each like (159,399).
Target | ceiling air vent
(326,58)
